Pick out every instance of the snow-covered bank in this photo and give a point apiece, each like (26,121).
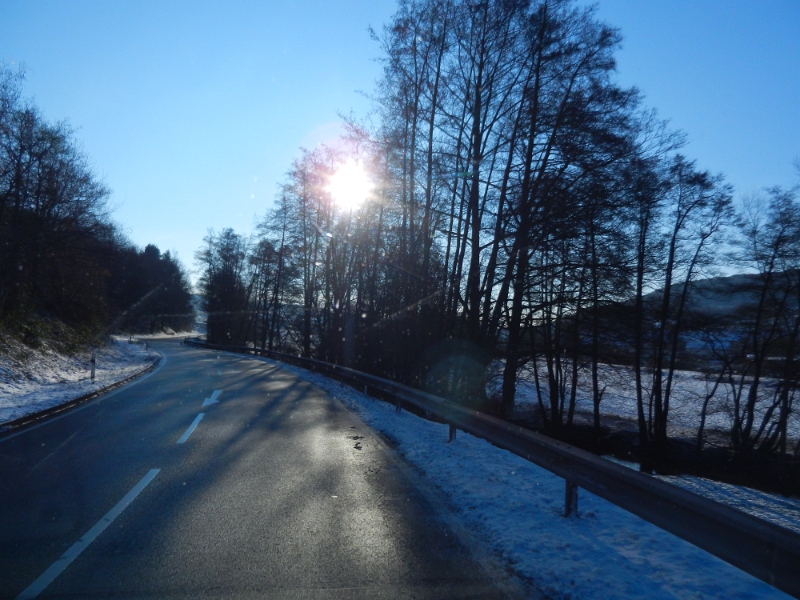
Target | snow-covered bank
(32,380)
(515,507)
(166,335)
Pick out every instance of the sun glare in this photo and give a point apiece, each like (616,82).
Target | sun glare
(350,185)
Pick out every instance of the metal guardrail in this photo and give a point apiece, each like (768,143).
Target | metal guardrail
(762,549)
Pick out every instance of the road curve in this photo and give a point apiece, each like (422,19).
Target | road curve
(219,476)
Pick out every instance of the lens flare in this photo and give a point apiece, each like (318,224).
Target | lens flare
(350,185)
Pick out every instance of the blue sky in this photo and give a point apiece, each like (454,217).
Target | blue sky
(191,112)
(726,72)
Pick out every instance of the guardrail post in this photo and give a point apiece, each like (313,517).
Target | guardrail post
(570,498)
(451,434)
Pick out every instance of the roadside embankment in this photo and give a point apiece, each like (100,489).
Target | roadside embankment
(35,378)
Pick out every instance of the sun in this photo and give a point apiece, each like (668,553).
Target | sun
(350,185)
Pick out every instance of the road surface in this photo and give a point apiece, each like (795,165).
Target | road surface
(220,476)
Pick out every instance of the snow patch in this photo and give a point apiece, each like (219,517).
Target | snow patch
(34,379)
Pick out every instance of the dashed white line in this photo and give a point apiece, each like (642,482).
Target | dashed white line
(192,427)
(213,398)
(46,578)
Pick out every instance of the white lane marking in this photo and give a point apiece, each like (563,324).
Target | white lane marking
(46,578)
(192,427)
(213,398)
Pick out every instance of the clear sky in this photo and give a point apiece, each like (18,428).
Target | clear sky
(191,112)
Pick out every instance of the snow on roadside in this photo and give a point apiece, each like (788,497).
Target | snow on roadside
(770,507)
(780,510)
(515,507)
(32,380)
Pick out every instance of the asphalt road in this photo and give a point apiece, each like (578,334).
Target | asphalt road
(276,491)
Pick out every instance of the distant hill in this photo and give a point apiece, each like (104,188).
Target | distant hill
(716,296)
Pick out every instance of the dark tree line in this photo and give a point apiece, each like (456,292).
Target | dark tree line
(149,291)
(525,210)
(756,347)
(60,254)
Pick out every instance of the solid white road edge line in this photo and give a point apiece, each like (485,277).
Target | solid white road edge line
(213,399)
(46,578)
(192,427)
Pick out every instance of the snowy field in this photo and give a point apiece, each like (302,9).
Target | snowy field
(32,380)
(515,507)
(689,391)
